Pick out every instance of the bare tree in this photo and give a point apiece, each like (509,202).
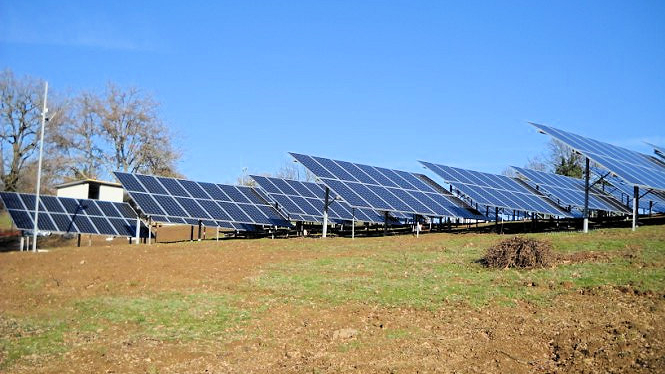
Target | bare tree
(20,120)
(121,129)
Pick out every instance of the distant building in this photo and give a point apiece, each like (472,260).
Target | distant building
(91,189)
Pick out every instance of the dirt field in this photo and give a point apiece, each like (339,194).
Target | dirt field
(388,305)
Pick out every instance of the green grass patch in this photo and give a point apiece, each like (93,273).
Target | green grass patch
(419,278)
(22,338)
(166,316)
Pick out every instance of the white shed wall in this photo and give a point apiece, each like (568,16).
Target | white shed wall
(109,193)
(79,191)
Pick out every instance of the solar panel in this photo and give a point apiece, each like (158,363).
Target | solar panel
(303,201)
(568,191)
(67,215)
(635,168)
(364,186)
(658,150)
(491,190)
(183,201)
(623,192)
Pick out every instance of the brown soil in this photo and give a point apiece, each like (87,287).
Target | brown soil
(593,330)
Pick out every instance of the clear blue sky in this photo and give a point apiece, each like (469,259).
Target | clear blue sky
(377,82)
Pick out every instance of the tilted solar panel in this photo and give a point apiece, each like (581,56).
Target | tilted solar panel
(381,189)
(635,168)
(568,191)
(67,215)
(305,200)
(491,190)
(623,192)
(658,150)
(183,201)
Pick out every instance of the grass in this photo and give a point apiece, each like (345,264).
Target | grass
(165,316)
(425,273)
(430,277)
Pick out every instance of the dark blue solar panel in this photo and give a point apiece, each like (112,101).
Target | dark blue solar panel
(495,190)
(52,204)
(236,214)
(301,189)
(147,204)
(29,202)
(192,208)
(125,210)
(305,206)
(170,206)
(193,201)
(286,203)
(108,208)
(633,167)
(313,166)
(374,200)
(255,214)
(214,210)
(334,169)
(284,187)
(129,182)
(63,222)
(151,184)
(103,226)
(12,200)
(83,224)
(71,205)
(21,219)
(266,184)
(234,193)
(214,191)
(89,207)
(123,227)
(343,190)
(251,195)
(194,189)
(173,187)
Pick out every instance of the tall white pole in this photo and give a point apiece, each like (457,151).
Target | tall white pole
(39,171)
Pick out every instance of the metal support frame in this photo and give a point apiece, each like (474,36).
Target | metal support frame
(326,202)
(217,232)
(496,219)
(353,223)
(138,229)
(585,227)
(149,231)
(636,201)
(385,223)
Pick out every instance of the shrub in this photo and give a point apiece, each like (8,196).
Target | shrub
(519,252)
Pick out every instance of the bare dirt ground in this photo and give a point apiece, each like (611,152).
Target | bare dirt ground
(582,329)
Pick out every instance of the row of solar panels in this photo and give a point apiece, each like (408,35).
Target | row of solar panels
(357,191)
(66,215)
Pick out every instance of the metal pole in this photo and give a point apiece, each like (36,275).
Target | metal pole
(385,223)
(586,196)
(39,171)
(217,232)
(325,213)
(353,223)
(636,197)
(149,231)
(496,219)
(21,243)
(138,229)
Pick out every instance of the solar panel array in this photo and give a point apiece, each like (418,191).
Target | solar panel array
(364,186)
(623,192)
(66,215)
(568,191)
(633,167)
(303,201)
(187,202)
(491,190)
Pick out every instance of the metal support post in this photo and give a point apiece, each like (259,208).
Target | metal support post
(353,223)
(586,196)
(39,171)
(198,235)
(149,230)
(496,219)
(21,243)
(325,213)
(218,233)
(636,201)
(385,223)
(138,229)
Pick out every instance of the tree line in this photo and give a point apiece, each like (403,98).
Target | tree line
(88,134)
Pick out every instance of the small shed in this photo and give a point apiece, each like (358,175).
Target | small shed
(91,189)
